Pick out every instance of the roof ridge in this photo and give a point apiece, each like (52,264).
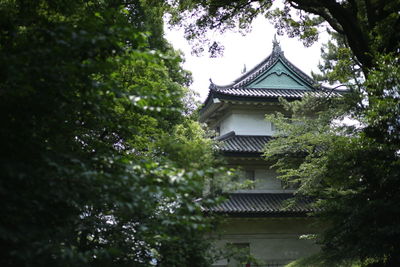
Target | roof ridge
(301,73)
(273,57)
(260,68)
(276,54)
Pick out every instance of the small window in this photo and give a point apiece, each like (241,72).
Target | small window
(273,128)
(249,175)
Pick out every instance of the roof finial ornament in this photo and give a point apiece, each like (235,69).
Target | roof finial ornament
(276,47)
(212,85)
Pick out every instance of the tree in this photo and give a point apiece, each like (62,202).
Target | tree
(350,170)
(86,90)
(369,27)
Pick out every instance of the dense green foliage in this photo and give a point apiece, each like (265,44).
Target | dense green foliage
(369,27)
(318,261)
(343,152)
(98,164)
(351,170)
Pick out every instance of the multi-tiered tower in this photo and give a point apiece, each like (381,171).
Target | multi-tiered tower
(257,218)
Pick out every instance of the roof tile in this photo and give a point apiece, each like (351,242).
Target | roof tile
(263,204)
(274,93)
(244,143)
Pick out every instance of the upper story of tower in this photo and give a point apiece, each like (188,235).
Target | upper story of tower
(240,107)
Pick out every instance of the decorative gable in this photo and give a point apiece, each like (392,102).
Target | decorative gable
(279,76)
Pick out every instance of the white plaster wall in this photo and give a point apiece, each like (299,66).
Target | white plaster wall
(273,241)
(226,125)
(246,123)
(265,180)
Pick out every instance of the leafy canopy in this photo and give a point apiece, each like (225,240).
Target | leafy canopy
(89,90)
(347,158)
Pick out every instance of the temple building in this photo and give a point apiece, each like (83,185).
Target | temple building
(257,218)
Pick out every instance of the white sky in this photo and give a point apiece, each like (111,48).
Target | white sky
(239,50)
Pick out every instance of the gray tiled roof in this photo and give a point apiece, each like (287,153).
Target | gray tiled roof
(263,204)
(273,93)
(243,143)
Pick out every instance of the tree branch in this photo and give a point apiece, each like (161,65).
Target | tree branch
(343,20)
